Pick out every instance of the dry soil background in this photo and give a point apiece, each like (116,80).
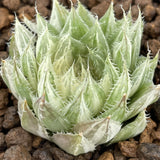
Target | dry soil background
(17,144)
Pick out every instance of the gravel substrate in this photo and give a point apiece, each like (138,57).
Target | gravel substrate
(17,144)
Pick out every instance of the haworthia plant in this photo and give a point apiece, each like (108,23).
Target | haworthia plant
(80,81)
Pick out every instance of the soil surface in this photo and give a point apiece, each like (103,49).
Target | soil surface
(17,144)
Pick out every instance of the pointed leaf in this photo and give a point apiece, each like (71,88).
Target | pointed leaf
(110,76)
(95,39)
(22,85)
(22,36)
(58,15)
(77,110)
(50,116)
(122,52)
(121,87)
(8,75)
(75,26)
(42,24)
(68,83)
(94,95)
(108,25)
(74,144)
(146,96)
(117,112)
(143,73)
(86,16)
(29,121)
(29,67)
(98,130)
(132,129)
(136,35)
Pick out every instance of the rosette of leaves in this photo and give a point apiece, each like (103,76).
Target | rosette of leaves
(80,81)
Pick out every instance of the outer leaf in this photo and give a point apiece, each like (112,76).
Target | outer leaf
(50,116)
(143,73)
(13,50)
(132,129)
(146,96)
(22,36)
(29,122)
(98,130)
(136,34)
(73,143)
(117,112)
(8,76)
(22,85)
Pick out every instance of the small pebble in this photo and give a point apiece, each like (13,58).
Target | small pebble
(36,142)
(42,154)
(91,3)
(17,152)
(2,156)
(100,9)
(2,141)
(6,33)
(58,154)
(151,30)
(45,3)
(148,151)
(154,46)
(18,136)
(128,148)
(143,3)
(158,10)
(118,154)
(135,12)
(106,156)
(149,12)
(4,19)
(118,8)
(145,136)
(88,155)
(1,122)
(12,4)
(11,118)
(31,2)
(156,106)
(3,55)
(44,11)
(27,10)
(2,112)
(3,98)
(80,157)
(2,44)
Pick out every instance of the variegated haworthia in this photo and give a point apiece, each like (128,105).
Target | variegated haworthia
(78,79)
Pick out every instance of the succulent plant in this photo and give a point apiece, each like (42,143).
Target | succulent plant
(80,82)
